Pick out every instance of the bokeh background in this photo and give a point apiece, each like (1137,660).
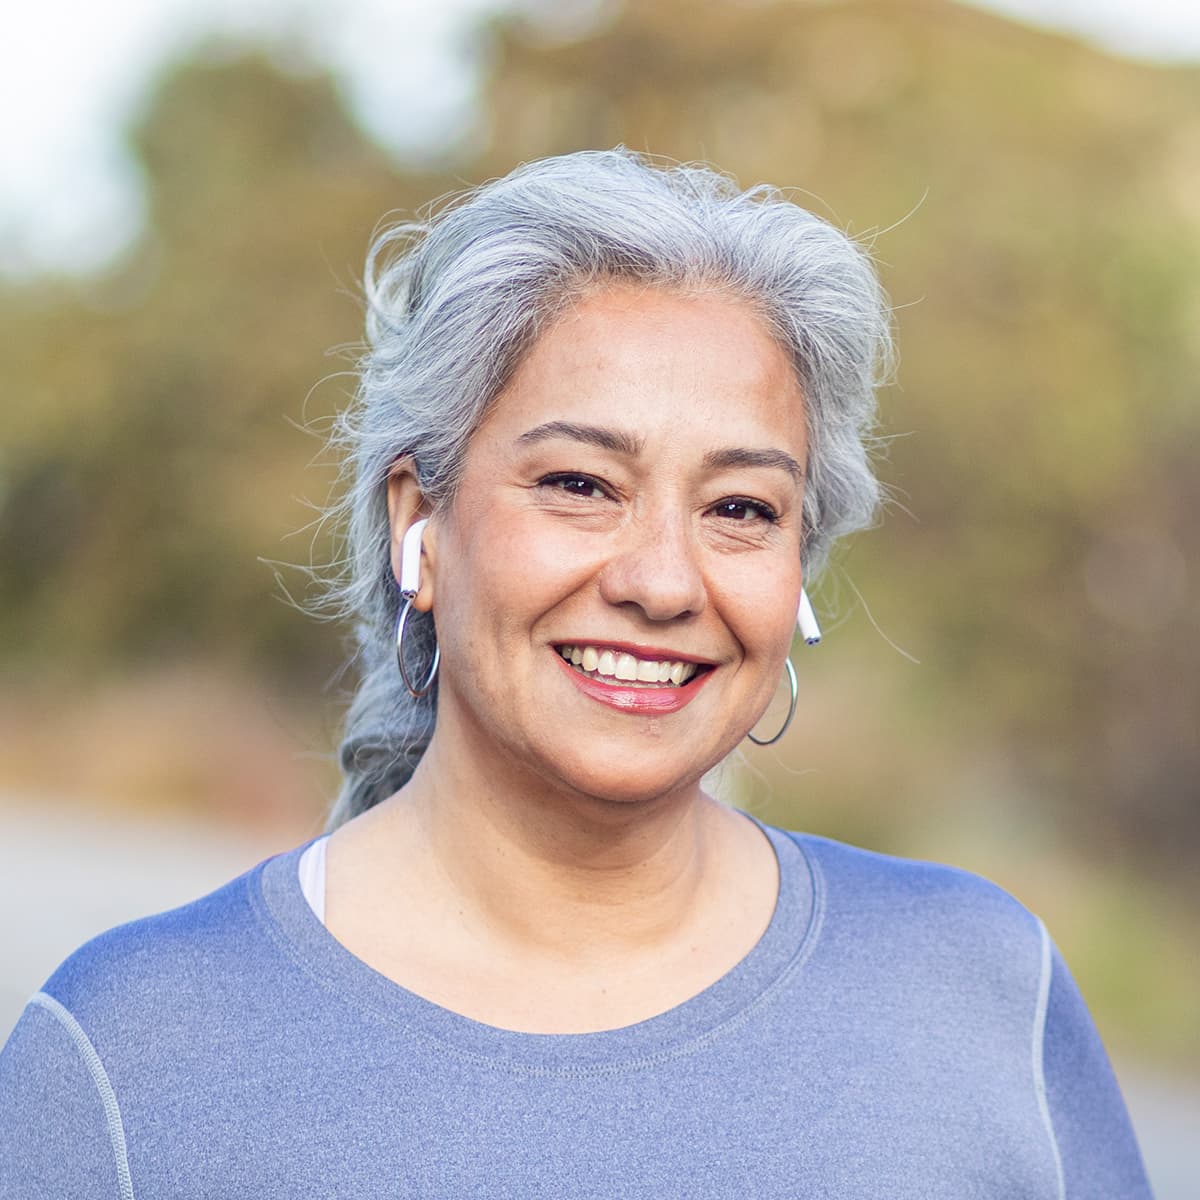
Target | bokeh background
(1010,676)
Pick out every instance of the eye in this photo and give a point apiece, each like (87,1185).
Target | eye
(739,509)
(574,484)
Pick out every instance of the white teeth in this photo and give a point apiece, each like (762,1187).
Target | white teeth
(628,667)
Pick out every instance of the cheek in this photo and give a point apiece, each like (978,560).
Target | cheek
(539,558)
(508,571)
(762,608)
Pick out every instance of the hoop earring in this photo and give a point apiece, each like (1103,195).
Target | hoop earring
(795,690)
(401,622)
(410,584)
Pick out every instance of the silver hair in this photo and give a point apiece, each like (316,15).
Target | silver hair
(453,304)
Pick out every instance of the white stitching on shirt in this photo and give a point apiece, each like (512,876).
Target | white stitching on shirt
(1039,1048)
(112,1111)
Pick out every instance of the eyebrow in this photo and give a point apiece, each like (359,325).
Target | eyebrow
(716,460)
(620,442)
(615,440)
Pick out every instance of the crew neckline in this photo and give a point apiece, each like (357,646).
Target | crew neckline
(720,1008)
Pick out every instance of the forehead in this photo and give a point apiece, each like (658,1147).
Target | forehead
(661,364)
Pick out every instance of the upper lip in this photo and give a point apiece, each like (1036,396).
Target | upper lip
(649,653)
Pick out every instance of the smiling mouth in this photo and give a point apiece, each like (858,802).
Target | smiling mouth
(619,667)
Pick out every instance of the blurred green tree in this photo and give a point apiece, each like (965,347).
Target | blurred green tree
(152,454)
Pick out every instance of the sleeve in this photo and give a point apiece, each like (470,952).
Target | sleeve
(1095,1142)
(60,1126)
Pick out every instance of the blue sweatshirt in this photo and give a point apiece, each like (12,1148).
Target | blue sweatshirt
(900,1030)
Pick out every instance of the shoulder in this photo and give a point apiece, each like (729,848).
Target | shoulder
(131,1022)
(924,910)
(867,881)
(165,963)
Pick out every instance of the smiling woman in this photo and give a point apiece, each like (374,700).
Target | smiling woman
(461,309)
(642,513)
(610,417)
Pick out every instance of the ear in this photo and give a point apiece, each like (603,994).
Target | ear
(406,506)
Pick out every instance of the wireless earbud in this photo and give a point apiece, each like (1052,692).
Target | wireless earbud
(410,560)
(806,620)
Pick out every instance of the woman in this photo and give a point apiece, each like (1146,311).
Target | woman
(611,416)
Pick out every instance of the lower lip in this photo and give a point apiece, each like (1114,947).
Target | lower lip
(649,701)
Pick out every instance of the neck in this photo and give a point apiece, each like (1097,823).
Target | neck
(560,873)
(534,908)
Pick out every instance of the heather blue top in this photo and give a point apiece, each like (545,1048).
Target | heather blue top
(900,1030)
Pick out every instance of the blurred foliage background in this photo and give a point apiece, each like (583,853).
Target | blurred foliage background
(1010,676)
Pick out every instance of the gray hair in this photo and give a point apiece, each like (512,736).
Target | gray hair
(454,303)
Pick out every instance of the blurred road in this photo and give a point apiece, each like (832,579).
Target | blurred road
(67,874)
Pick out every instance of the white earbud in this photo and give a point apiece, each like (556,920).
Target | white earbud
(806,620)
(410,560)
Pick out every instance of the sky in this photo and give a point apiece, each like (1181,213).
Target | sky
(73,73)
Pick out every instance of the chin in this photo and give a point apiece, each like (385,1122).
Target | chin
(640,778)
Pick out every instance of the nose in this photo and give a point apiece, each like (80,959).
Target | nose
(656,569)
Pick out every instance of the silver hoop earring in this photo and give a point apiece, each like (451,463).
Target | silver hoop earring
(401,622)
(795,689)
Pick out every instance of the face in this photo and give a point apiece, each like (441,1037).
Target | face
(615,584)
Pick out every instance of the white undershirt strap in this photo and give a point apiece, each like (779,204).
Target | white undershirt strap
(312,876)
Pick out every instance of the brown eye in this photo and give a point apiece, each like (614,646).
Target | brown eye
(745,510)
(583,486)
